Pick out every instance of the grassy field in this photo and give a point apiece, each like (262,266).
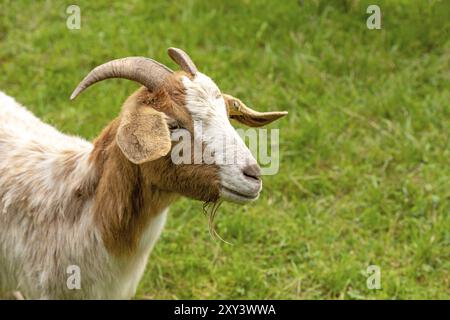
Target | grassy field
(365,153)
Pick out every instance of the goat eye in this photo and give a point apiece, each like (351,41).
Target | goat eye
(173,125)
(235,104)
(218,96)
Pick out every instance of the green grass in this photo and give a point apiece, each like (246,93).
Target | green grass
(365,153)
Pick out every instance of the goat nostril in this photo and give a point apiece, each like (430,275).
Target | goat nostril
(252,171)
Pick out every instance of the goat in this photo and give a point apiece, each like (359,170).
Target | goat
(102,206)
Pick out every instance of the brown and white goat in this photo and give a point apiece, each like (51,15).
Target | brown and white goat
(101,207)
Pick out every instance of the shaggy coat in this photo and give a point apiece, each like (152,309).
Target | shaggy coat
(68,202)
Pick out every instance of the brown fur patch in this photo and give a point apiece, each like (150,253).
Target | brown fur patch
(124,202)
(129,195)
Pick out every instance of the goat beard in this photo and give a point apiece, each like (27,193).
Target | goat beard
(210,209)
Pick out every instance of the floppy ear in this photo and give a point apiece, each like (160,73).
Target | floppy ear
(237,110)
(143,135)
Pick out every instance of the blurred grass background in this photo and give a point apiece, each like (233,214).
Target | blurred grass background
(364,176)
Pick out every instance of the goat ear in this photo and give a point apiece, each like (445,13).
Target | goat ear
(143,135)
(238,111)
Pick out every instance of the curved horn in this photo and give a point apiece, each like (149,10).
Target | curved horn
(145,71)
(183,60)
(239,111)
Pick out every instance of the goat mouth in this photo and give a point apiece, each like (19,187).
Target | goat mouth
(236,196)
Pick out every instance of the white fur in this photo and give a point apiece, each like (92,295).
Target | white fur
(37,243)
(208,110)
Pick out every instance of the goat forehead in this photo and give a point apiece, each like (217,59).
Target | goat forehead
(203,99)
(209,112)
(206,83)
